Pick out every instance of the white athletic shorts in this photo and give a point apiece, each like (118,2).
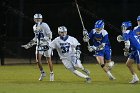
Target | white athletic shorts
(43,51)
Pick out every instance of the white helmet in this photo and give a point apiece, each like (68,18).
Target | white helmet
(62,29)
(38,16)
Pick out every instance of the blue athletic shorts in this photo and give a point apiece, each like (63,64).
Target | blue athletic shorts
(135,55)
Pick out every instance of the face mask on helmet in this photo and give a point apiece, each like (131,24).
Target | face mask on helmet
(126,26)
(62,31)
(38,16)
(99,25)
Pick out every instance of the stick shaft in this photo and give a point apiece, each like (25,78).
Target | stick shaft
(80,15)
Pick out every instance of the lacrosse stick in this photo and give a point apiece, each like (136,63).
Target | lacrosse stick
(81,18)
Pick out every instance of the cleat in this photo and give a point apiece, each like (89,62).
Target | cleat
(112,78)
(86,71)
(134,81)
(43,74)
(51,76)
(88,80)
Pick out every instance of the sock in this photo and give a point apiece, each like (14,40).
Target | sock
(135,76)
(109,73)
(51,72)
(78,73)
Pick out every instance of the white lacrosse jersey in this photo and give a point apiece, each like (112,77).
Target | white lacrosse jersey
(65,48)
(43,34)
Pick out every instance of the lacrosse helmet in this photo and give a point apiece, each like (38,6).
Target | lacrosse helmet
(127,24)
(99,24)
(38,16)
(138,18)
(62,29)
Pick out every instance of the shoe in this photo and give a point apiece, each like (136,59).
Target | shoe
(110,65)
(43,74)
(88,80)
(51,76)
(134,80)
(112,78)
(86,71)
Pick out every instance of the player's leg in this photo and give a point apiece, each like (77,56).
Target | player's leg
(47,54)
(69,65)
(39,64)
(77,63)
(109,62)
(138,66)
(100,60)
(129,64)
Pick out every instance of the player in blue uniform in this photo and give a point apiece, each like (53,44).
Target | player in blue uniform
(132,43)
(137,28)
(101,46)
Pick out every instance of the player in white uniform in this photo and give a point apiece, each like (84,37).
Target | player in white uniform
(42,39)
(69,52)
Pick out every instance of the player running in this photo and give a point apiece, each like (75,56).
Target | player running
(137,28)
(68,49)
(42,39)
(132,43)
(101,46)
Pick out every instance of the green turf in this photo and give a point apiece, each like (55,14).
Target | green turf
(24,79)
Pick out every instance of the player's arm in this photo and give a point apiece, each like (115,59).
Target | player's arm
(78,52)
(126,43)
(100,47)
(48,32)
(120,38)
(126,49)
(31,43)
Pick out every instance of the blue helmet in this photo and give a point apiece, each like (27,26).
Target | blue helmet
(127,24)
(138,18)
(99,24)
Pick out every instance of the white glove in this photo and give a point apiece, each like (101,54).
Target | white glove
(86,39)
(126,52)
(119,38)
(85,34)
(25,46)
(91,48)
(78,53)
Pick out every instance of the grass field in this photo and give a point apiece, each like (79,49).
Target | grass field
(24,79)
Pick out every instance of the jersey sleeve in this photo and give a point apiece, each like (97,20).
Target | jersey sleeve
(91,34)
(35,34)
(105,36)
(47,30)
(53,44)
(75,42)
(125,36)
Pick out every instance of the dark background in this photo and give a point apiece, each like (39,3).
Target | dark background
(17,21)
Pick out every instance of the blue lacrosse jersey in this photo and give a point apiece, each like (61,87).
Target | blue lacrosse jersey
(133,38)
(134,45)
(137,30)
(98,39)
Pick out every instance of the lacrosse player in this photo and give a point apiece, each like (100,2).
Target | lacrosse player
(137,28)
(68,49)
(42,39)
(101,46)
(132,43)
